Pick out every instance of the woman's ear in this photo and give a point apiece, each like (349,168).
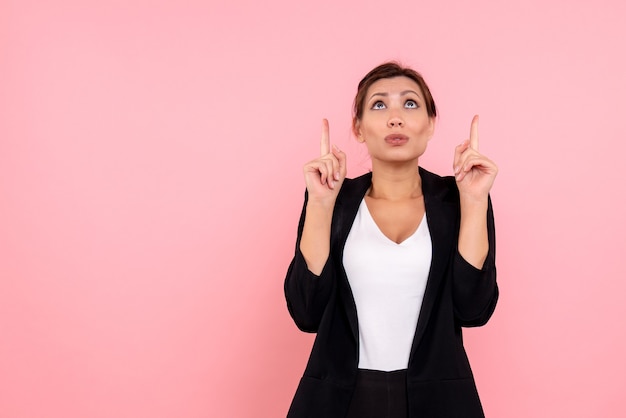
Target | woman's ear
(356,130)
(431,127)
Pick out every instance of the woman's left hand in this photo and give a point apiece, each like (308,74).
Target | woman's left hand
(473,171)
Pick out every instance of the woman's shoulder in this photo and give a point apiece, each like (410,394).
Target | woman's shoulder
(356,181)
(436,185)
(433,185)
(434,177)
(432,182)
(356,186)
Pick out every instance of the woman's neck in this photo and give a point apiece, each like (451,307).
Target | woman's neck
(395,182)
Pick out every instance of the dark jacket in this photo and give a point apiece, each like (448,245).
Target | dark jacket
(439,378)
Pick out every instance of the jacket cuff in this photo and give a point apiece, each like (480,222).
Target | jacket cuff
(475,291)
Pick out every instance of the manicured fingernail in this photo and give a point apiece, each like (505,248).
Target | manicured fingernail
(337,175)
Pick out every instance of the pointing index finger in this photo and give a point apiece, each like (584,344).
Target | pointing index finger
(474,133)
(325,142)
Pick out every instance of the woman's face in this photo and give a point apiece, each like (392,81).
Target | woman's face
(395,124)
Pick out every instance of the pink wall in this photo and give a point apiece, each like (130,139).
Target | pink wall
(150,184)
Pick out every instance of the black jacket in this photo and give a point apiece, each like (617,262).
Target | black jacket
(439,378)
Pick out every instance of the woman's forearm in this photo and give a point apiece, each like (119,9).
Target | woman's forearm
(473,239)
(315,241)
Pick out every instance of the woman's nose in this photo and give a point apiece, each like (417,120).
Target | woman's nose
(395,122)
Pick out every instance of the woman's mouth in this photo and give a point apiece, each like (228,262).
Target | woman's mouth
(396,139)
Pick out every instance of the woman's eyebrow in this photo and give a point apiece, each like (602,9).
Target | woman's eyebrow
(403,93)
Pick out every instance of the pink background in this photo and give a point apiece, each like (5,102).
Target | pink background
(150,185)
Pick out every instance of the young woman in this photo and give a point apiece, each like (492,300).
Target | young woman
(391,265)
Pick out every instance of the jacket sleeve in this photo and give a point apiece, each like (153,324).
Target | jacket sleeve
(475,291)
(307,294)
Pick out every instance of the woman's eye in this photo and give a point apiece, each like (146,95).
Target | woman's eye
(411,104)
(378,105)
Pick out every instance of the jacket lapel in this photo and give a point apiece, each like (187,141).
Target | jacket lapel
(347,207)
(439,211)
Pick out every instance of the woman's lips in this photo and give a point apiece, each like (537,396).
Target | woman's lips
(396,139)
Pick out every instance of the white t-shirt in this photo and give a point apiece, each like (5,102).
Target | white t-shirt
(388,282)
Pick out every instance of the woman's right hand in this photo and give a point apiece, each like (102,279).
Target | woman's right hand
(324,175)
